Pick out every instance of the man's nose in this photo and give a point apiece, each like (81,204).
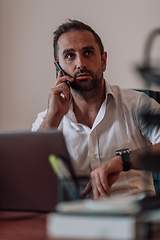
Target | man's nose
(81,63)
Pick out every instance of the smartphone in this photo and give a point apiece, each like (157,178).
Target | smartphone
(58,68)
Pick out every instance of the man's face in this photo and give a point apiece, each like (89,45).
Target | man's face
(79,56)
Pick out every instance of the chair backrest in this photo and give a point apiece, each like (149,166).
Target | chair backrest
(155,95)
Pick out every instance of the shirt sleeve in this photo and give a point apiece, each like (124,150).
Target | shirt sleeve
(39,120)
(148,105)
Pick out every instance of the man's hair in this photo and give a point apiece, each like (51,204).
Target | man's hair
(74,25)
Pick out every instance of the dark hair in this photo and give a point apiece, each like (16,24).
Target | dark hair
(76,25)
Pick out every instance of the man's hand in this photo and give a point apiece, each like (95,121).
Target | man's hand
(103,177)
(58,102)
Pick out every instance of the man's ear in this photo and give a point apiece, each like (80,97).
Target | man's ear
(54,63)
(104,60)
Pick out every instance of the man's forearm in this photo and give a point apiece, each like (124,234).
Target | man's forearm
(50,122)
(147,158)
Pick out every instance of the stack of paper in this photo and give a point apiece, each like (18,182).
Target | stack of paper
(105,218)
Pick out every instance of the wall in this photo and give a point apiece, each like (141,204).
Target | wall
(26,57)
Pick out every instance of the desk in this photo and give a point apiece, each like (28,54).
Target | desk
(22,226)
(28,226)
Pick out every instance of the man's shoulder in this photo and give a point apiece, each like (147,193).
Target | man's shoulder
(126,93)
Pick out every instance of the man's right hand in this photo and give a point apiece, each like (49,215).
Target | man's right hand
(58,102)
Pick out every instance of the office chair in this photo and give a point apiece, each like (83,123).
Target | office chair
(156,175)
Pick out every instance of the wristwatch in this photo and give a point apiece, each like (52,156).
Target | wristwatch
(125,154)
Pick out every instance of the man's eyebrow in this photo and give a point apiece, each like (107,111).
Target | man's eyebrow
(68,50)
(73,50)
(88,48)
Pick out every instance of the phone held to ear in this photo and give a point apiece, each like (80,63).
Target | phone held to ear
(58,68)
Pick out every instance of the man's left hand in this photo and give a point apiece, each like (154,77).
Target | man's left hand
(103,177)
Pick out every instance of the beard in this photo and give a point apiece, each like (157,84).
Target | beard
(86,85)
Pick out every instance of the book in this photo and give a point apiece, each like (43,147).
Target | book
(102,219)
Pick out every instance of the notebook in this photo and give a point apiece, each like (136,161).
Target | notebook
(27,180)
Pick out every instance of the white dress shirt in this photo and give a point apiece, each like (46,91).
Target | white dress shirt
(118,125)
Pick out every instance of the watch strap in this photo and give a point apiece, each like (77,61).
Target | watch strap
(125,154)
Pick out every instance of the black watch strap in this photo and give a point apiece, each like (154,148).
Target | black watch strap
(125,154)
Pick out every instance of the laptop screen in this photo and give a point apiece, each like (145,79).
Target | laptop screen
(27,181)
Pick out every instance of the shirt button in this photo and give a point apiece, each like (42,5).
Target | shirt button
(92,133)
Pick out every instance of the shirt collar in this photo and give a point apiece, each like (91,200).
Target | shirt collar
(110,93)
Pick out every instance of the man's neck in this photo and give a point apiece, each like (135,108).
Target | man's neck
(86,106)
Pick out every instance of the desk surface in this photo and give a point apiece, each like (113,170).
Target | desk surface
(28,226)
(23,225)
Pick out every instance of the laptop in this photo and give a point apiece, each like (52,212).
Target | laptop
(27,180)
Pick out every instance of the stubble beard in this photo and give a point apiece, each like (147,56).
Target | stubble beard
(87,88)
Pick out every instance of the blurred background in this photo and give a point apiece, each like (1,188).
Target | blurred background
(26,53)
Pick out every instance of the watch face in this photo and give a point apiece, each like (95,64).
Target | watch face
(125,150)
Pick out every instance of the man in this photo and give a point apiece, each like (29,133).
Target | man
(98,119)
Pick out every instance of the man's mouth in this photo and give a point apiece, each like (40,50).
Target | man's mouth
(83,76)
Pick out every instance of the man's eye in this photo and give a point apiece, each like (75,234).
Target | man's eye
(88,53)
(70,56)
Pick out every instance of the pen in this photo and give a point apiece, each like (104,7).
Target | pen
(64,175)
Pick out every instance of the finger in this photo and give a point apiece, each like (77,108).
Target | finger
(95,185)
(63,91)
(87,190)
(99,186)
(96,193)
(104,183)
(60,90)
(62,78)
